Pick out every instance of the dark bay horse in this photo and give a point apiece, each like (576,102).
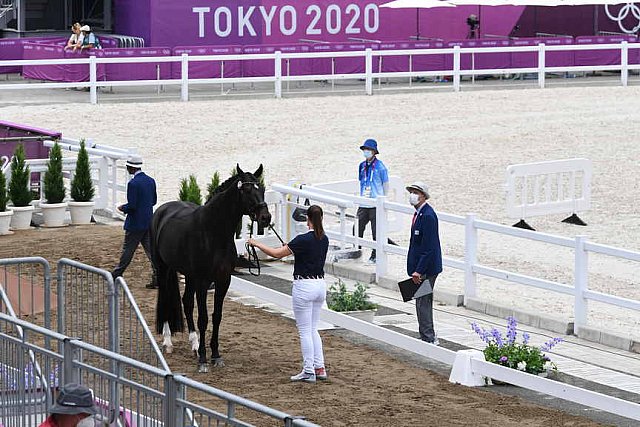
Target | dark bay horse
(198,242)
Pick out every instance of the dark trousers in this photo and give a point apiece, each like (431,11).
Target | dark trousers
(131,241)
(365,216)
(424,310)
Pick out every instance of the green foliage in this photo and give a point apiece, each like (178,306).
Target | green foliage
(3,192)
(506,351)
(82,186)
(190,191)
(340,299)
(213,185)
(54,190)
(20,176)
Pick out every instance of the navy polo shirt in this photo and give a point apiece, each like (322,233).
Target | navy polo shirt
(310,254)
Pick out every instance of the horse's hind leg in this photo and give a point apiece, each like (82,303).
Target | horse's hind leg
(222,286)
(188,304)
(203,319)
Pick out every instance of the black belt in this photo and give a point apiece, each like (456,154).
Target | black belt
(298,277)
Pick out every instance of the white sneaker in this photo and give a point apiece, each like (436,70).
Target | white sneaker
(305,377)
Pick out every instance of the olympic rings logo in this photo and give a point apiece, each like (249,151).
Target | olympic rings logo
(622,15)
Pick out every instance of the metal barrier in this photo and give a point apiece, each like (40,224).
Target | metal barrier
(122,400)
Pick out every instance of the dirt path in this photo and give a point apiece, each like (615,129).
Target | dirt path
(261,350)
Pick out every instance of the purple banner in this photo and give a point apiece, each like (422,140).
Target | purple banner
(418,62)
(33,149)
(208,69)
(58,73)
(552,59)
(604,57)
(142,71)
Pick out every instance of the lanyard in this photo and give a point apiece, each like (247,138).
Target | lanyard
(365,167)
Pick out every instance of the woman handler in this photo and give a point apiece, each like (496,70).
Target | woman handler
(309,290)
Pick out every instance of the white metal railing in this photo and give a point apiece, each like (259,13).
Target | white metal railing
(367,55)
(579,289)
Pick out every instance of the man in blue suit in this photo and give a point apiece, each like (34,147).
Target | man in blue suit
(424,261)
(141,197)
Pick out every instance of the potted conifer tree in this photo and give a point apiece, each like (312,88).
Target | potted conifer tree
(55,207)
(5,215)
(19,192)
(82,190)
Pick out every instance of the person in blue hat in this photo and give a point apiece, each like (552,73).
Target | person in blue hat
(374,182)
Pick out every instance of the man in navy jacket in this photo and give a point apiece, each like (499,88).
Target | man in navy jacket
(424,261)
(141,197)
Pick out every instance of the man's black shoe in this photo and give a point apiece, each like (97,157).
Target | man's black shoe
(151,286)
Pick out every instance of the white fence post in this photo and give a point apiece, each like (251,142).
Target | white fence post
(368,65)
(581,282)
(456,68)
(624,59)
(470,256)
(278,72)
(541,65)
(381,238)
(184,87)
(103,179)
(93,77)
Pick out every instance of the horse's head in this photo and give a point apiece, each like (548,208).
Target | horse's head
(252,196)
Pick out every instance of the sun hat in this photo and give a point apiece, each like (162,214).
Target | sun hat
(74,399)
(85,28)
(419,186)
(370,144)
(134,161)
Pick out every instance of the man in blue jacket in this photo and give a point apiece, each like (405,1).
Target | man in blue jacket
(424,261)
(141,197)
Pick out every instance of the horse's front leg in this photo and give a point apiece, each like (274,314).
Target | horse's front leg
(222,286)
(188,300)
(203,319)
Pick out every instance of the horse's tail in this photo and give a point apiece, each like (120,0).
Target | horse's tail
(169,305)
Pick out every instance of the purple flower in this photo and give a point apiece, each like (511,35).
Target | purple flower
(497,337)
(512,324)
(504,359)
(484,335)
(546,358)
(525,338)
(550,344)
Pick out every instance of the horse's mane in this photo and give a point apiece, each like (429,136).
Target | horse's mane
(233,179)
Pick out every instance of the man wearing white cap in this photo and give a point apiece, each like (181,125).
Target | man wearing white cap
(424,260)
(141,197)
(89,39)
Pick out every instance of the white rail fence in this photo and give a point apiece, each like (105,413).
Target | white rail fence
(579,289)
(564,391)
(367,55)
(107,169)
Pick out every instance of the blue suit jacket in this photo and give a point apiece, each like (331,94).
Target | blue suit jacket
(141,196)
(425,255)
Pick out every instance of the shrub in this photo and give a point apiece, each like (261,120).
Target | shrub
(3,192)
(54,190)
(506,351)
(190,191)
(19,192)
(82,189)
(340,299)
(213,185)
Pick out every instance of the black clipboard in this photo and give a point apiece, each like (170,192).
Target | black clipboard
(408,289)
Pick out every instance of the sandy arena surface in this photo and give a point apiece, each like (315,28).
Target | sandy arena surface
(367,387)
(459,143)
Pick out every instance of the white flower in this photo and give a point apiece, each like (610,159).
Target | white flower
(522,366)
(548,366)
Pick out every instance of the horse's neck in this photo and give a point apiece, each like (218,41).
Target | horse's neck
(223,213)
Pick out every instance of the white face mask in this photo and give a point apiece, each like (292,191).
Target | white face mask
(368,154)
(414,199)
(86,422)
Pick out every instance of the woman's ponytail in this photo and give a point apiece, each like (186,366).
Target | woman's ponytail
(314,214)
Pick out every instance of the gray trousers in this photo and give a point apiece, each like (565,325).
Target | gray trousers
(131,241)
(424,310)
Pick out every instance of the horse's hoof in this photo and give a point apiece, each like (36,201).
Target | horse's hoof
(217,362)
(168,349)
(203,368)
(195,353)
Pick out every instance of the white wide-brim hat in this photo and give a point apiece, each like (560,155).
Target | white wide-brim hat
(419,186)
(134,161)
(85,28)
